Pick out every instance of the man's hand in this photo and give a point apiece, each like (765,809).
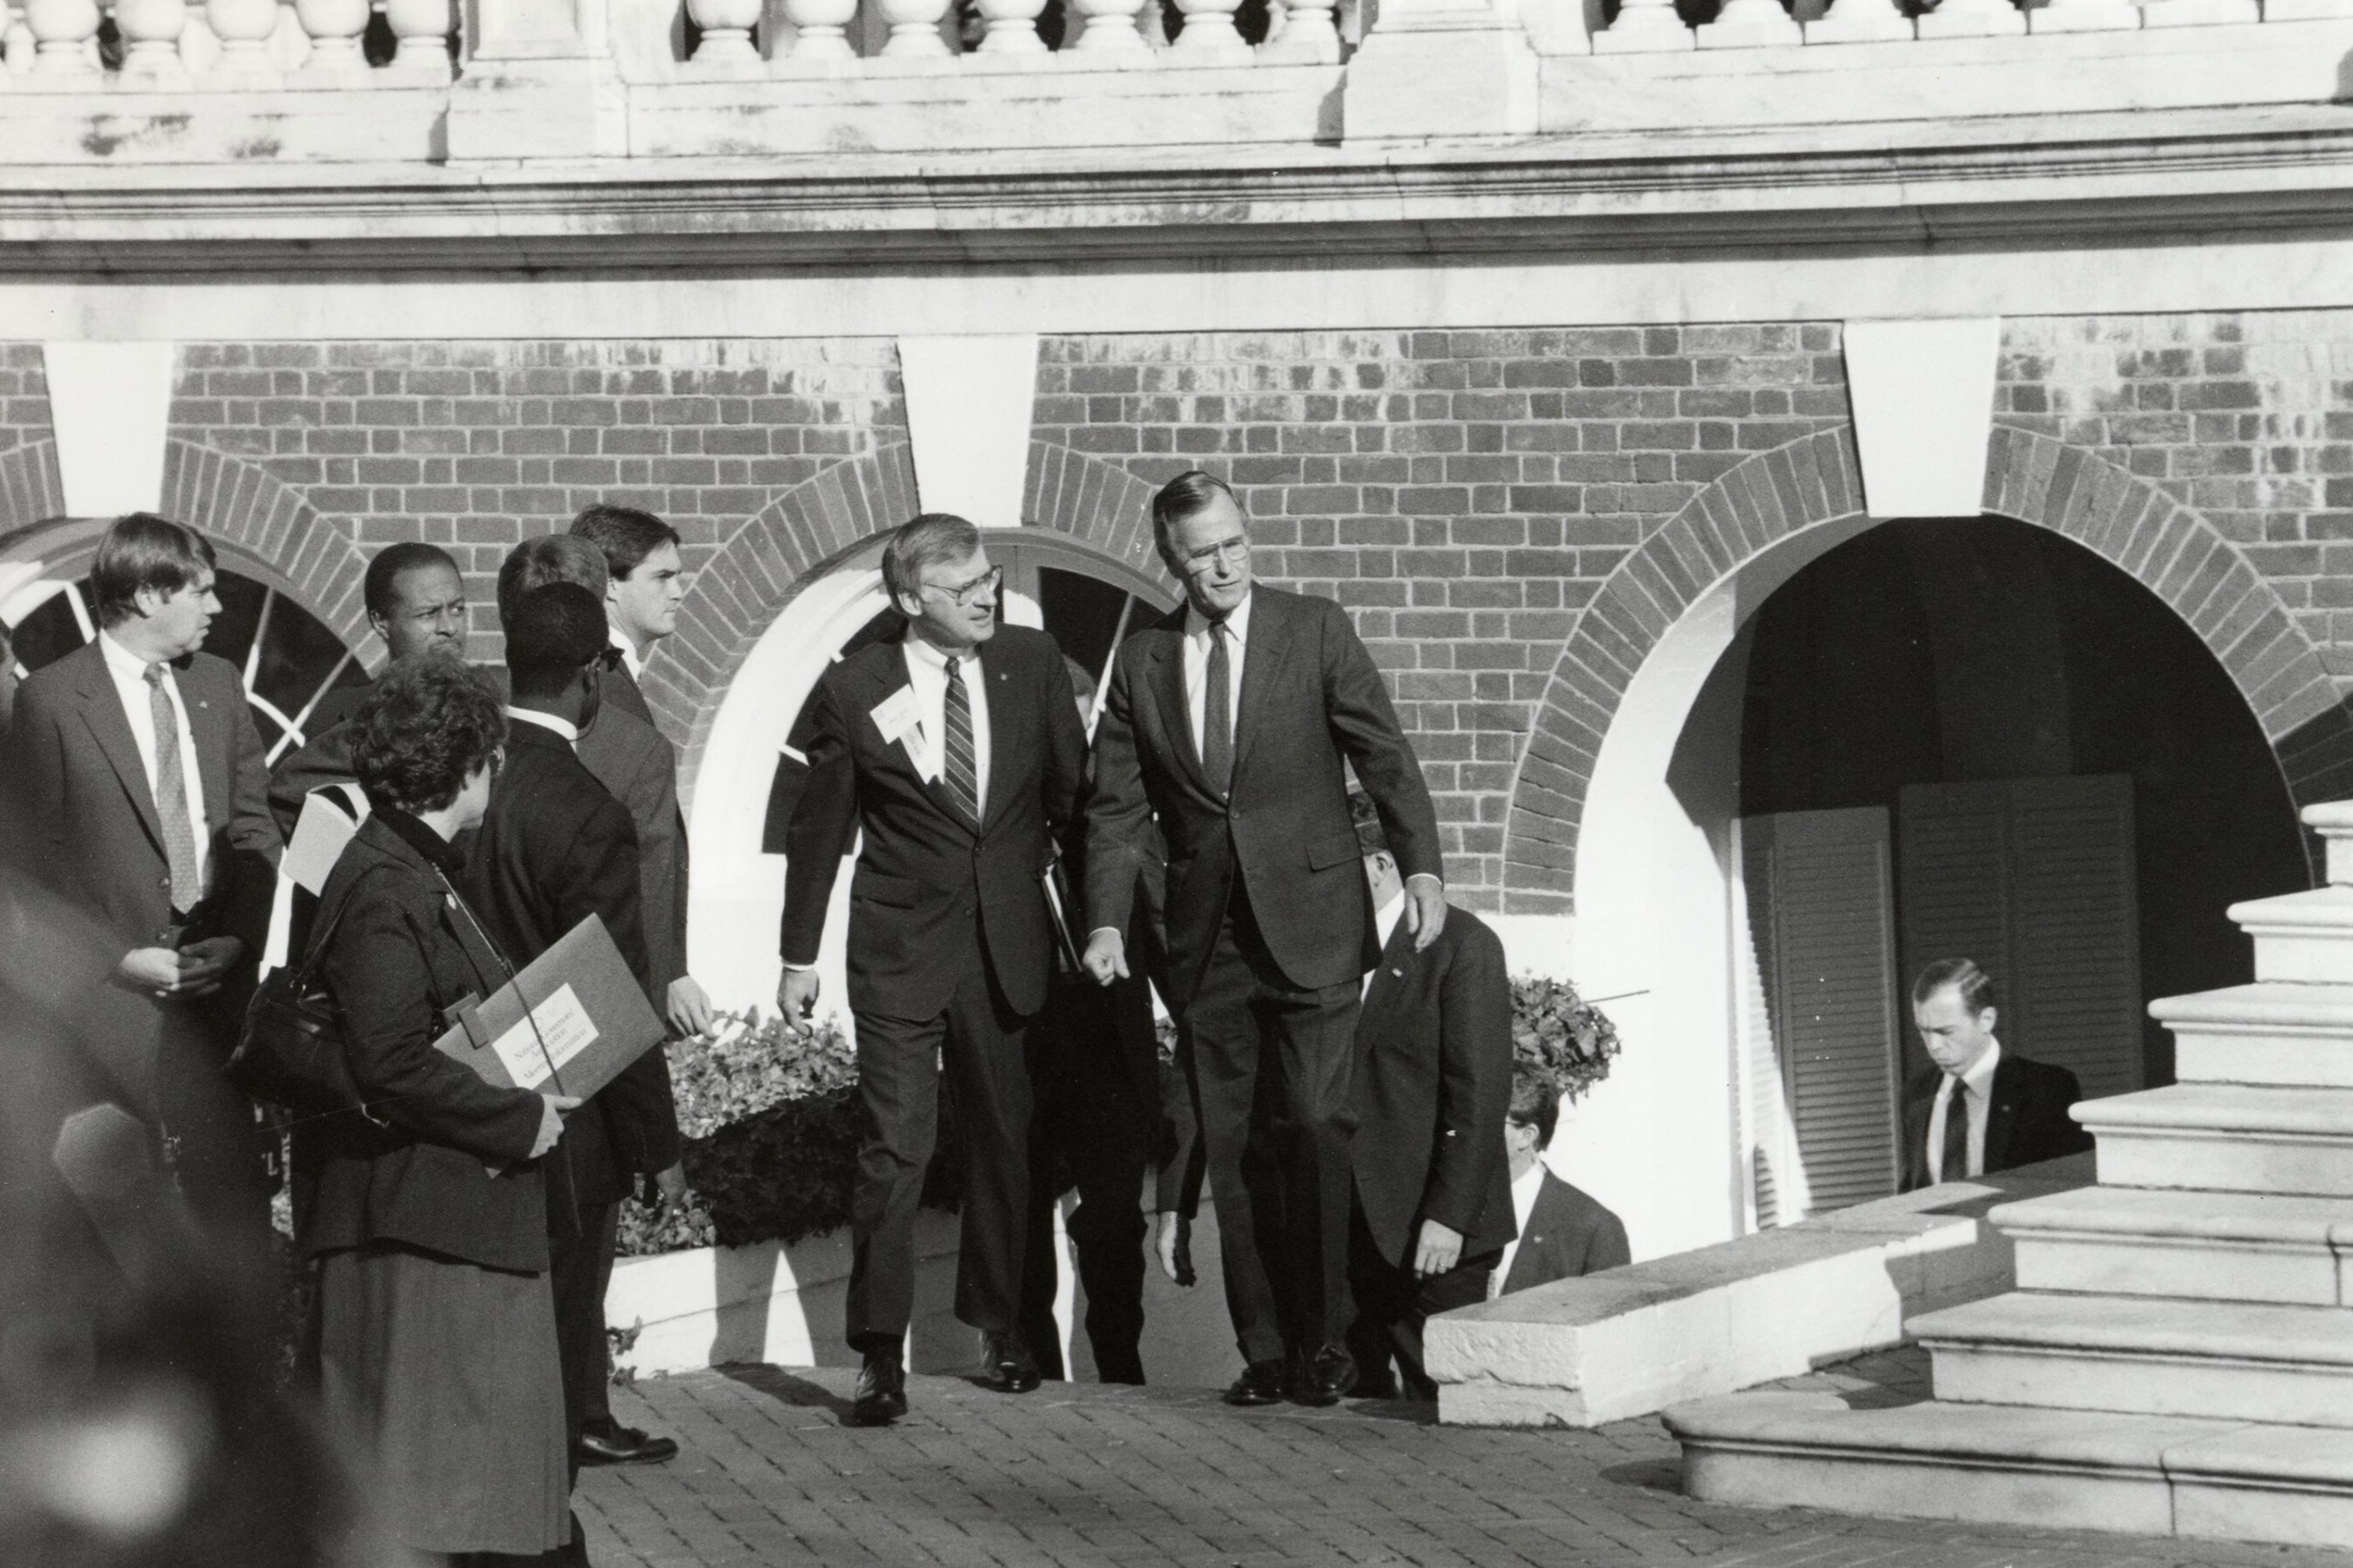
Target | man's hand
(669,1190)
(689,1006)
(1106,957)
(204,964)
(797,998)
(155,970)
(1425,911)
(1172,1238)
(1437,1250)
(552,1108)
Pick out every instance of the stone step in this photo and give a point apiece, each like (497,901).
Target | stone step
(2226,1137)
(2213,1246)
(2273,1032)
(2148,1475)
(2146,1355)
(2301,936)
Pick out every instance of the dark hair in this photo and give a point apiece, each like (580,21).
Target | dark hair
(626,534)
(550,558)
(557,631)
(1371,839)
(1181,498)
(425,728)
(143,550)
(924,541)
(1976,986)
(1535,1102)
(392,563)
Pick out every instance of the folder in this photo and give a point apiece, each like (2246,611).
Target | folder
(567,1024)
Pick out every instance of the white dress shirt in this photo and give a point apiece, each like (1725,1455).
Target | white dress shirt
(927,672)
(565,727)
(130,677)
(1385,921)
(1197,668)
(1523,1190)
(630,660)
(1978,1083)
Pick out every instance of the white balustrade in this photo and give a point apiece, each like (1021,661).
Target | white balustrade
(1860,22)
(1971,19)
(64,33)
(1209,31)
(150,32)
(1750,25)
(423,29)
(1012,27)
(914,29)
(2083,16)
(244,29)
(1110,25)
(821,28)
(16,39)
(1644,26)
(334,28)
(1307,34)
(726,31)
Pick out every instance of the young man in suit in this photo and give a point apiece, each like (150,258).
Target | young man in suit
(646,585)
(142,794)
(1432,1078)
(957,751)
(556,847)
(1230,721)
(1979,1108)
(1559,1232)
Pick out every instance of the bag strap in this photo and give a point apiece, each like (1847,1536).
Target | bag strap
(315,953)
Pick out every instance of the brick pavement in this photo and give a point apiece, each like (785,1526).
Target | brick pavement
(1084,1475)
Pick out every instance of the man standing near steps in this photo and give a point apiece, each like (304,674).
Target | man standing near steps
(1230,720)
(958,752)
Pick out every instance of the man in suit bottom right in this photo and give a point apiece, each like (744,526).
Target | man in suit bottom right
(1561,1233)
(1979,1108)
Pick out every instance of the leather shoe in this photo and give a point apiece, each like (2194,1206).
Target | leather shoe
(882,1390)
(1327,1376)
(1262,1383)
(1008,1364)
(608,1441)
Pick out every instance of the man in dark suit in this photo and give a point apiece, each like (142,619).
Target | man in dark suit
(556,847)
(1979,1108)
(957,751)
(1560,1232)
(416,604)
(1433,1079)
(141,790)
(1230,720)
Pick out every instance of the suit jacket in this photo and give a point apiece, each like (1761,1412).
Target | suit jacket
(324,758)
(1568,1234)
(553,848)
(400,958)
(2026,1123)
(1310,698)
(638,766)
(925,869)
(88,818)
(1432,1085)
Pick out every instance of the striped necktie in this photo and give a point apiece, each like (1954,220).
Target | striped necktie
(962,773)
(171,796)
(1217,710)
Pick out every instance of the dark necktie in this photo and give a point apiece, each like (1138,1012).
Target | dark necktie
(1955,1165)
(171,795)
(1217,710)
(963,774)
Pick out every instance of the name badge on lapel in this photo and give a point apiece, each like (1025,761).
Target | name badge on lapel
(900,723)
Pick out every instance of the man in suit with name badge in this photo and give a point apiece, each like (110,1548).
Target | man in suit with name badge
(141,788)
(957,751)
(1560,1231)
(1980,1109)
(1230,720)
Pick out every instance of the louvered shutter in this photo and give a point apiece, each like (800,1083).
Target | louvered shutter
(1819,891)
(2036,880)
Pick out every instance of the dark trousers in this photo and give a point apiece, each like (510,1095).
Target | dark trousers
(217,1150)
(579,1269)
(1264,1050)
(1107,1230)
(1392,1304)
(980,1041)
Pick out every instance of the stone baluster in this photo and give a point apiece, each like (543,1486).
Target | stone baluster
(199,48)
(1208,31)
(1012,27)
(1112,25)
(727,32)
(243,28)
(1860,22)
(423,30)
(16,39)
(64,32)
(334,28)
(821,28)
(1750,25)
(914,29)
(150,32)
(1309,35)
(1975,18)
(1644,28)
(289,45)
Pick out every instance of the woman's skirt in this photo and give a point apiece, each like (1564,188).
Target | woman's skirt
(445,1375)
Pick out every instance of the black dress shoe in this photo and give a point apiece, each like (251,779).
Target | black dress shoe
(1007,1362)
(608,1441)
(882,1390)
(1327,1377)
(1262,1383)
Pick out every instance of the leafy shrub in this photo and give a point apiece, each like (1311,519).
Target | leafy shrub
(1558,1032)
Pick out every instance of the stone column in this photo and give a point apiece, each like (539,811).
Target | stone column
(1442,68)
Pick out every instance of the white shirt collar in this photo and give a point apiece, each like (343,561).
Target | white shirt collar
(121,661)
(1524,1186)
(923,647)
(1979,1080)
(1384,918)
(565,727)
(1237,620)
(630,660)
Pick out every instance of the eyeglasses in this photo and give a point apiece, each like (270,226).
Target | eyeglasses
(1233,552)
(966,593)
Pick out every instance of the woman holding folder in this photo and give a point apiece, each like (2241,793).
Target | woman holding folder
(426,1215)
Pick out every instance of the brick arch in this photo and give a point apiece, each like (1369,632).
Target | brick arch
(2168,548)
(1098,502)
(244,506)
(31,489)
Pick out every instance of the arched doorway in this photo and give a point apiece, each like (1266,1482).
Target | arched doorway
(289,658)
(744,792)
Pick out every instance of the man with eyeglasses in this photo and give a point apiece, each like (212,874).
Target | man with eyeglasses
(956,750)
(1229,721)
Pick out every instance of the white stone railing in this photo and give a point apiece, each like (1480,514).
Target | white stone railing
(1650,27)
(54,45)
